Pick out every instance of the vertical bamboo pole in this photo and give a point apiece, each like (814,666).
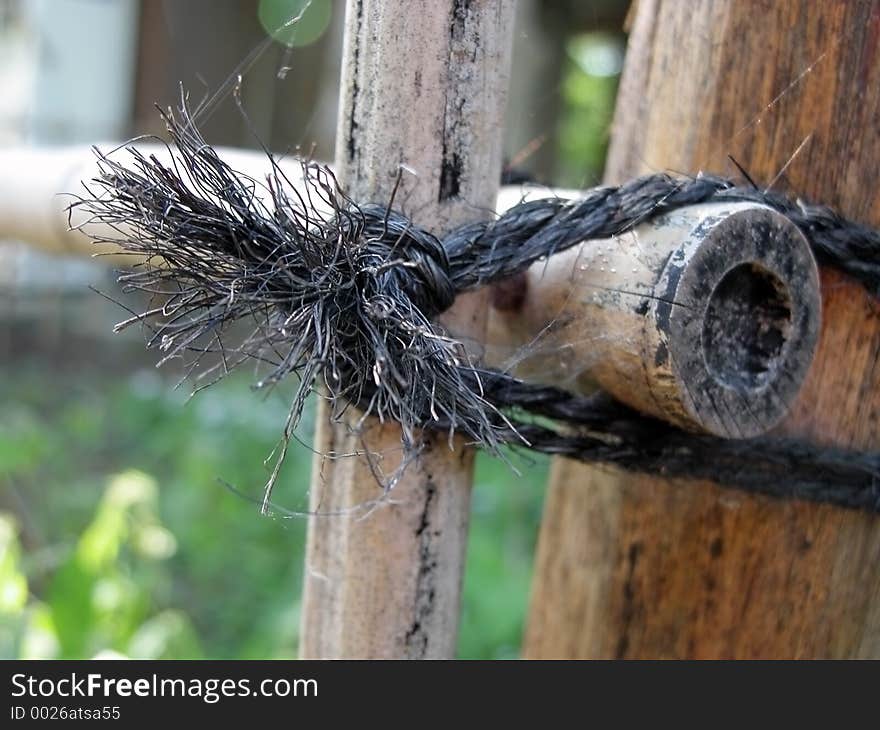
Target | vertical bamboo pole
(424,85)
(632,566)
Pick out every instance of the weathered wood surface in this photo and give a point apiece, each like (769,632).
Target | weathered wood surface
(632,566)
(424,86)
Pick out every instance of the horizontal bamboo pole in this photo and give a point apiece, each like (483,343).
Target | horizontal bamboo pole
(38,184)
(682,318)
(706,317)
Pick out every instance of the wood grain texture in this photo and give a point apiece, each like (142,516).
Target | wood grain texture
(631,566)
(424,86)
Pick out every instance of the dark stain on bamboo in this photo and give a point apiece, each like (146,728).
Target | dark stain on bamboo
(416,637)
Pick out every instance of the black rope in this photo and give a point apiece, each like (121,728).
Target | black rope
(485,252)
(345,301)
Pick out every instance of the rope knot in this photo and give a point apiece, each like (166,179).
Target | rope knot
(400,257)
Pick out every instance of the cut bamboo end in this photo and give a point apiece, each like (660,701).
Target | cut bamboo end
(707,317)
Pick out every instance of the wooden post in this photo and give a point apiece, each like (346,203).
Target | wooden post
(632,566)
(424,86)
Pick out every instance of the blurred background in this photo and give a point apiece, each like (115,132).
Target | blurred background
(118,532)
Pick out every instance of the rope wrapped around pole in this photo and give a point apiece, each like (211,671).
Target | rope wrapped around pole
(343,294)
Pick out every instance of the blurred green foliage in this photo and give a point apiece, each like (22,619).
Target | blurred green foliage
(589,87)
(119,537)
